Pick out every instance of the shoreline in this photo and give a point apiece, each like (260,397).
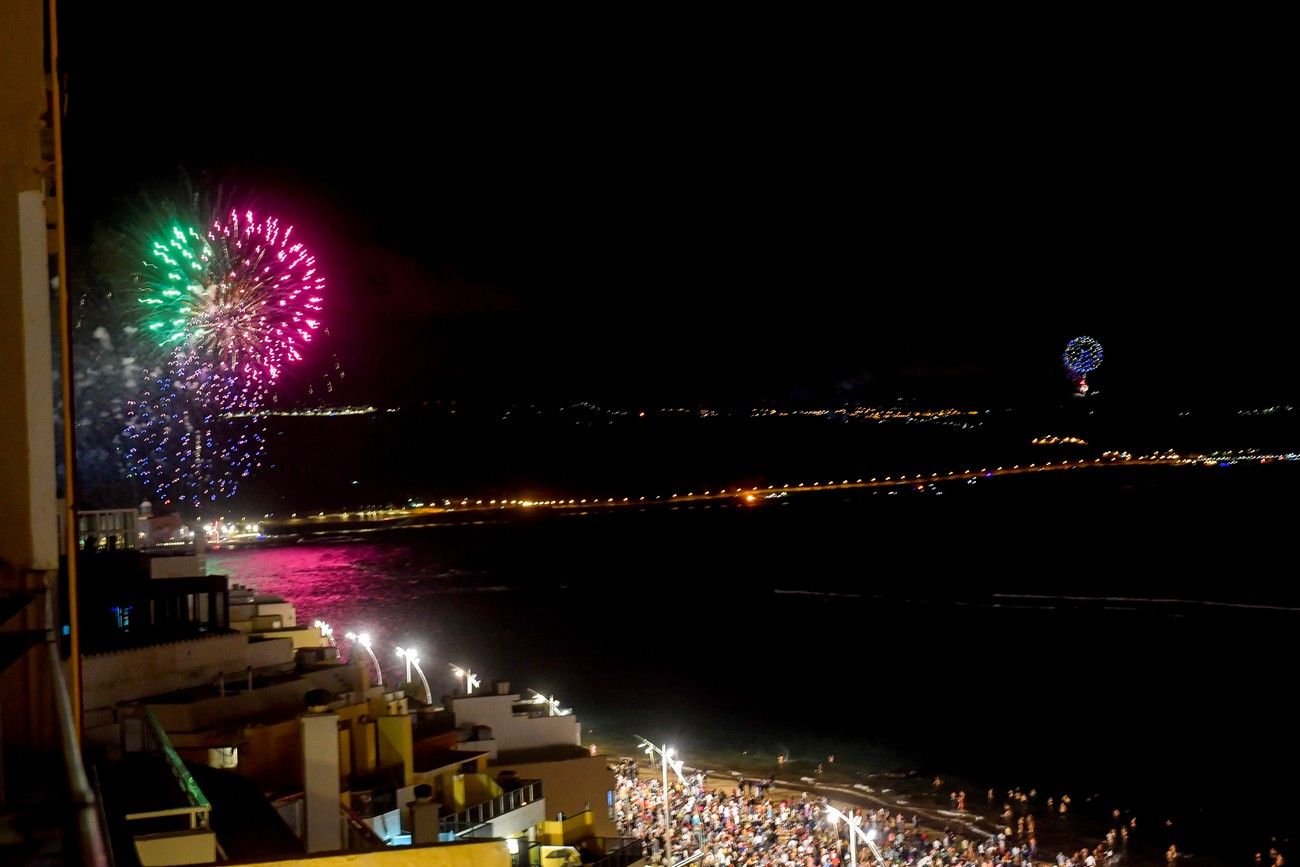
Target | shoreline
(912,795)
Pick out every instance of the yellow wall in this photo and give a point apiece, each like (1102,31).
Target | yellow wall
(180,847)
(396,746)
(489,853)
(572,786)
(364,756)
(28,541)
(271,755)
(572,830)
(480,788)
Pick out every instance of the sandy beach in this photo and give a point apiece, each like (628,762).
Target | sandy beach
(906,794)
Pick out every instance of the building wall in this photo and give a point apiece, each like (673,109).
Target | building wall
(570,831)
(125,675)
(572,786)
(271,754)
(28,520)
(516,821)
(487,853)
(28,526)
(487,745)
(180,847)
(248,611)
(177,566)
(514,732)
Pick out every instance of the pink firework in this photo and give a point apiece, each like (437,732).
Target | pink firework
(253,306)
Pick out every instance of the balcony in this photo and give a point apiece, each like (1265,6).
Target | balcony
(485,819)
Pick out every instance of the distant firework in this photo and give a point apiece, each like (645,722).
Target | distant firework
(1082,355)
(234,302)
(183,450)
(224,305)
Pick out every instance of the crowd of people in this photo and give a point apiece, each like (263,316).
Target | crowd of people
(743,826)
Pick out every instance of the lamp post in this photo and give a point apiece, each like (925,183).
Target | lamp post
(326,631)
(405,653)
(552,703)
(364,640)
(666,754)
(855,831)
(412,657)
(471,681)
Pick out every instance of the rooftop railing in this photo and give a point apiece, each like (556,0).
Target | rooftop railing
(478,815)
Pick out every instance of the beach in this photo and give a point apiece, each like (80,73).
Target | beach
(910,801)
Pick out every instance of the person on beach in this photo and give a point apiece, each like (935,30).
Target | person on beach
(730,827)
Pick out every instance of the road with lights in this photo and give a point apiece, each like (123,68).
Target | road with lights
(413,514)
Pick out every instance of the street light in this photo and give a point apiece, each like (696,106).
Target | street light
(403,653)
(364,640)
(552,703)
(868,836)
(666,754)
(326,631)
(471,681)
(412,657)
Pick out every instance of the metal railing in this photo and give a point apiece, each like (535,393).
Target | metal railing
(360,835)
(480,814)
(90,836)
(619,852)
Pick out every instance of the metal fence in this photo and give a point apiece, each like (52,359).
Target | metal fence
(480,814)
(619,852)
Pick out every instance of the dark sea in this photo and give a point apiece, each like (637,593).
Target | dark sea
(1124,636)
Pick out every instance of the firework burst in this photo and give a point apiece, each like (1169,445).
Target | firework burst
(186,450)
(235,304)
(224,307)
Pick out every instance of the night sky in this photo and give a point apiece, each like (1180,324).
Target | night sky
(730,210)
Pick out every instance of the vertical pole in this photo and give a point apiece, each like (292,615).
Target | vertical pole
(65,373)
(668,829)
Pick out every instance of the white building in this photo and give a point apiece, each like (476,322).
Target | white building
(503,721)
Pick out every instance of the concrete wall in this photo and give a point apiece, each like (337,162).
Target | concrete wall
(177,847)
(485,853)
(301,636)
(573,830)
(28,521)
(489,746)
(177,566)
(282,611)
(28,526)
(513,732)
(271,754)
(572,786)
(275,701)
(516,821)
(127,675)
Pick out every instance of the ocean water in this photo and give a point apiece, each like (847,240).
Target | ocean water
(1126,637)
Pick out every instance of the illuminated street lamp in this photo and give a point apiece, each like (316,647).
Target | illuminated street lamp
(552,703)
(855,831)
(471,681)
(412,657)
(666,754)
(364,640)
(407,654)
(326,631)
